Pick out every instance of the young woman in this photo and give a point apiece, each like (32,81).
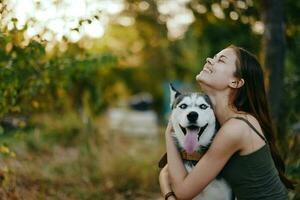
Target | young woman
(243,150)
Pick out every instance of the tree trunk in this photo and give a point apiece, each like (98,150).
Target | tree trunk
(274,50)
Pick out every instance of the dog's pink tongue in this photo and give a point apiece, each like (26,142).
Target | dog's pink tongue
(190,143)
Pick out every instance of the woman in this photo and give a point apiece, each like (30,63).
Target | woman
(243,150)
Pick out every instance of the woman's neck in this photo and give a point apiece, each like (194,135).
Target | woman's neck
(221,107)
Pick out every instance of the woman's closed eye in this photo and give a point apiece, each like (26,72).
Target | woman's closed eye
(221,60)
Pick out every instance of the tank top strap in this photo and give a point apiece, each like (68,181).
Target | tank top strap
(253,128)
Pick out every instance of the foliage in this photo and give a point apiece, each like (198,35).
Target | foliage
(33,82)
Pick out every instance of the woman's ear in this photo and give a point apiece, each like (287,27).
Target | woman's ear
(237,83)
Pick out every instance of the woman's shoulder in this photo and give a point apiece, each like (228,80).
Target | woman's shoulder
(241,121)
(235,128)
(228,138)
(241,129)
(231,131)
(234,125)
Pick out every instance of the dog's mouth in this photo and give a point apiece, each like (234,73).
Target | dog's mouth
(194,129)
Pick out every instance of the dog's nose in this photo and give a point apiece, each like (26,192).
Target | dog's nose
(192,116)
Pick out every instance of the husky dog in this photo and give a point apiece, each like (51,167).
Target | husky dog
(195,125)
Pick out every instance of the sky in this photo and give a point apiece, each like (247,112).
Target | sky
(63,16)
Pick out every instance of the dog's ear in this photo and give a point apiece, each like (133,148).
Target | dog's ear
(173,94)
(208,100)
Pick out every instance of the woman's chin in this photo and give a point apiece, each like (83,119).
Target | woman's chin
(199,77)
(203,82)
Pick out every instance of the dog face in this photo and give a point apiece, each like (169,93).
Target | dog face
(193,120)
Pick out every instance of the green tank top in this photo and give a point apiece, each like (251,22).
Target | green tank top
(254,176)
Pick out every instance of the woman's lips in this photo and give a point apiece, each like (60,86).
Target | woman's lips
(207,70)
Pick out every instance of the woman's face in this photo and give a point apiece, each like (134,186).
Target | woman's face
(218,72)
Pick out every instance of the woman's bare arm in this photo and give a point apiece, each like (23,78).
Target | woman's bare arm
(188,185)
(164,182)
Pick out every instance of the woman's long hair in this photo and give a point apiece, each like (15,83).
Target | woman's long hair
(252,99)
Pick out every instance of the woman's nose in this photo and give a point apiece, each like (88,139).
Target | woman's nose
(209,60)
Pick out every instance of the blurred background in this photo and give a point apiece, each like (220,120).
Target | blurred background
(84,87)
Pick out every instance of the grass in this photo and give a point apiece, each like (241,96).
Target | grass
(59,159)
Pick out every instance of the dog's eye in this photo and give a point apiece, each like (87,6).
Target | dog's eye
(203,106)
(183,106)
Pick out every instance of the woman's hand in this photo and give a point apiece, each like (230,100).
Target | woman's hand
(169,128)
(164,182)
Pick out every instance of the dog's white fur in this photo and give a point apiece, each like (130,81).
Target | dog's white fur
(218,189)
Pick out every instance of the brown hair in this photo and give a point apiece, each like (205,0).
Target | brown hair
(252,98)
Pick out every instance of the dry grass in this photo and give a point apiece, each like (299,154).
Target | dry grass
(58,159)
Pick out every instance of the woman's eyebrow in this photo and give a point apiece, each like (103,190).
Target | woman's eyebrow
(220,56)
